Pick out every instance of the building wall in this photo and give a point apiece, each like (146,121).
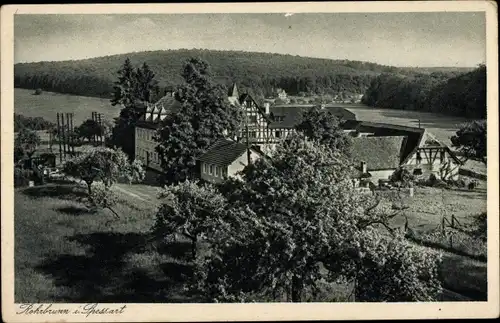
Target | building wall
(227,170)
(144,146)
(380,174)
(429,166)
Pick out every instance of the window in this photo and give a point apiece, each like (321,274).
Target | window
(211,169)
(217,173)
(253,119)
(224,172)
(442,156)
(253,134)
(205,168)
(419,158)
(417,171)
(277,134)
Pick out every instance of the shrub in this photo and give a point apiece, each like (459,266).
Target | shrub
(22,177)
(402,177)
(38,91)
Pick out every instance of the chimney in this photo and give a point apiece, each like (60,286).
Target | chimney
(363,167)
(322,106)
(266,107)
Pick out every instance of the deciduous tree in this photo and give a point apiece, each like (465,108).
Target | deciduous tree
(471,140)
(321,125)
(294,221)
(190,209)
(205,116)
(25,144)
(100,163)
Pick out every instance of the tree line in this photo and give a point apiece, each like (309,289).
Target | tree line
(461,95)
(32,123)
(262,72)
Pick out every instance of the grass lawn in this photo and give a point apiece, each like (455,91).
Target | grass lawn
(47,105)
(65,254)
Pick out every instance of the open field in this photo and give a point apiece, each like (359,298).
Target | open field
(65,254)
(441,126)
(48,104)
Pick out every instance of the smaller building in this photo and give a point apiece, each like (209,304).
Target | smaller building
(377,157)
(225,159)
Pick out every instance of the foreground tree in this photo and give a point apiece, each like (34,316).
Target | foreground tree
(324,127)
(470,139)
(189,209)
(101,163)
(205,116)
(294,220)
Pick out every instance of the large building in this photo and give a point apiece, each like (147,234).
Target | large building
(145,146)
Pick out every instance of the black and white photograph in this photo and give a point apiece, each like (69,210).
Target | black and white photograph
(275,156)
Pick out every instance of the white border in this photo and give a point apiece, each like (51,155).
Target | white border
(253,312)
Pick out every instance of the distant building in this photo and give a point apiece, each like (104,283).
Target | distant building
(146,128)
(225,159)
(379,149)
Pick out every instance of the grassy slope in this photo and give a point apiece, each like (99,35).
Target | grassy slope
(48,104)
(65,254)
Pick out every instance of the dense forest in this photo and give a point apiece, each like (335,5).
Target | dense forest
(461,95)
(261,72)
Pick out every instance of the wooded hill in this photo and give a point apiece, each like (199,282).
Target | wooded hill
(462,95)
(260,72)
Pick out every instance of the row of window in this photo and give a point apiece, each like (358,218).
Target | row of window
(148,156)
(145,134)
(214,170)
(276,133)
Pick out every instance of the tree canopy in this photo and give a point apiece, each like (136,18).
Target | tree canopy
(460,95)
(204,117)
(292,221)
(321,125)
(470,139)
(104,164)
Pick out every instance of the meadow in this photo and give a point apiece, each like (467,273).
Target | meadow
(48,104)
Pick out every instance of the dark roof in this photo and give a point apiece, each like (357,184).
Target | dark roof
(223,152)
(164,106)
(378,152)
(292,114)
(413,135)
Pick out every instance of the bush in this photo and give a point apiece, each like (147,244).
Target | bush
(38,91)
(402,178)
(22,177)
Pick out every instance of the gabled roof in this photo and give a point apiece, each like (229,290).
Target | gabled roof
(414,136)
(292,114)
(247,97)
(378,152)
(233,91)
(161,109)
(223,152)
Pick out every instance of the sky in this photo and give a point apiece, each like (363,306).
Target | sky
(399,39)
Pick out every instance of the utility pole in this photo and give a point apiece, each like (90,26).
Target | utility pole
(59,138)
(72,130)
(246,135)
(63,132)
